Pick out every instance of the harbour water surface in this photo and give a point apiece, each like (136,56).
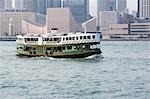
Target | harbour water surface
(122,73)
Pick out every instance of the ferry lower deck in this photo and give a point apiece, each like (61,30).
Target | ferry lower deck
(63,51)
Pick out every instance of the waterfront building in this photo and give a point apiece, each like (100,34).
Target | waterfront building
(89,26)
(10,22)
(107,5)
(64,24)
(120,31)
(28,27)
(107,18)
(144,9)
(79,9)
(122,4)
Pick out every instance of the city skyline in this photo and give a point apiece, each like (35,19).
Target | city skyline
(131,5)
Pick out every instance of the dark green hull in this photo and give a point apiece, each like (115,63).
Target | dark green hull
(64,55)
(67,51)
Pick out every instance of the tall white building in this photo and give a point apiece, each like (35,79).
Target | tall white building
(122,4)
(144,9)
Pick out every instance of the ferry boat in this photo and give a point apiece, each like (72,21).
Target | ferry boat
(60,45)
(66,45)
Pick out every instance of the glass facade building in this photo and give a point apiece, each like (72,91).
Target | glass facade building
(42,5)
(53,3)
(19,4)
(31,5)
(107,5)
(2,4)
(144,8)
(8,4)
(79,9)
(122,4)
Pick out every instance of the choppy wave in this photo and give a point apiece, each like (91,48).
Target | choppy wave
(123,73)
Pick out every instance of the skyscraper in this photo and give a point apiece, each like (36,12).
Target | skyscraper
(2,4)
(8,4)
(19,4)
(79,9)
(53,3)
(122,4)
(31,5)
(108,5)
(144,8)
(41,6)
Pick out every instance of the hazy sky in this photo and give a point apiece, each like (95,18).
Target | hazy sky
(131,5)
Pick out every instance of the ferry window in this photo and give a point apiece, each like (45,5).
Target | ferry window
(55,39)
(64,48)
(51,39)
(34,48)
(69,38)
(48,48)
(28,39)
(80,37)
(59,49)
(76,38)
(93,36)
(34,39)
(69,47)
(63,39)
(84,37)
(73,38)
(88,37)
(31,39)
(66,38)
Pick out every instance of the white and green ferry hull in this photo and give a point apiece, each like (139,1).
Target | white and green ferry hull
(56,51)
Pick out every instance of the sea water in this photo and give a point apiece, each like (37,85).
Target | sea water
(121,72)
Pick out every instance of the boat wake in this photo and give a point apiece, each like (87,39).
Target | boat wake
(96,56)
(92,57)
